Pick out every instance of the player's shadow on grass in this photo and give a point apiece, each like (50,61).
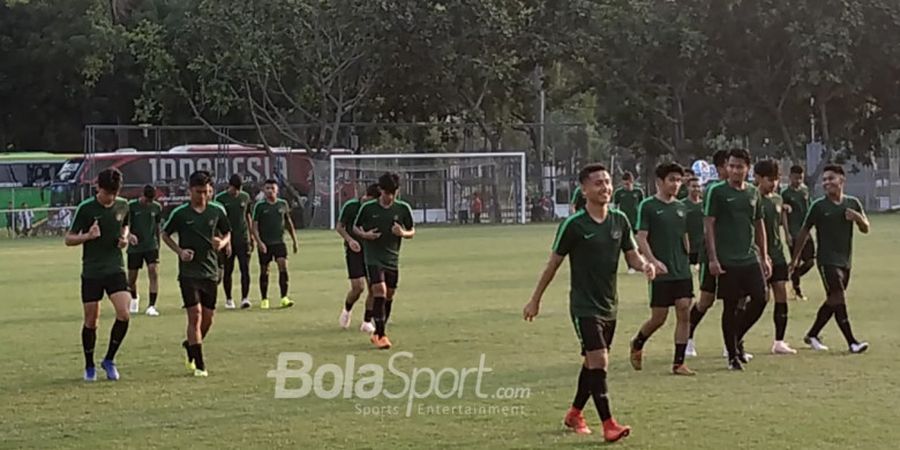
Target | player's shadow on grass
(573,440)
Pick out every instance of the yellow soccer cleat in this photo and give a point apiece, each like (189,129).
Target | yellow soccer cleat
(264,304)
(201,373)
(286,302)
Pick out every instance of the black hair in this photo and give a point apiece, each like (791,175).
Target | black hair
(693,179)
(587,170)
(149,191)
(767,168)
(720,158)
(389,182)
(236,181)
(689,172)
(200,178)
(834,168)
(373,190)
(797,169)
(271,181)
(741,154)
(110,180)
(663,170)
(627,176)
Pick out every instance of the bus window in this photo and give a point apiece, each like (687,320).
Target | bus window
(69,171)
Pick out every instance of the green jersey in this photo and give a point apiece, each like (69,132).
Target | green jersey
(101,256)
(834,233)
(578,200)
(348,215)
(144,219)
(695,225)
(682,192)
(593,250)
(270,218)
(798,200)
(736,212)
(772,207)
(237,207)
(383,252)
(628,201)
(666,227)
(196,231)
(701,247)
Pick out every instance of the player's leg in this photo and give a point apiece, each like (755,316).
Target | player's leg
(780,317)
(283,281)
(227,272)
(379,291)
(752,283)
(367,326)
(807,262)
(91,294)
(708,289)
(243,258)
(596,365)
(838,299)
(659,311)
(135,264)
(825,312)
(264,260)
(682,332)
(153,281)
(116,287)
(357,287)
(391,280)
(729,290)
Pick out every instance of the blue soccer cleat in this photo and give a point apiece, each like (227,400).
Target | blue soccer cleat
(90,374)
(111,372)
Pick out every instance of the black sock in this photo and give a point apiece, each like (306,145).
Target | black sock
(387,309)
(753,310)
(378,315)
(638,342)
(187,348)
(679,354)
(226,284)
(843,322)
(348,306)
(806,267)
(88,340)
(197,350)
(133,294)
(264,285)
(116,336)
(696,317)
(597,383)
(283,283)
(245,286)
(584,390)
(367,317)
(822,318)
(153,296)
(729,326)
(781,318)
(795,281)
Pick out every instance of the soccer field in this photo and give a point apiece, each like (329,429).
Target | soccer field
(461,296)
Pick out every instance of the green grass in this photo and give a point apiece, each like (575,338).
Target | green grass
(462,291)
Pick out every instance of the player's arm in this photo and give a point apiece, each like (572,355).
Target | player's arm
(289,224)
(533,307)
(360,224)
(254,228)
(710,209)
(800,241)
(858,217)
(82,230)
(785,226)
(405,228)
(223,228)
(341,226)
(170,228)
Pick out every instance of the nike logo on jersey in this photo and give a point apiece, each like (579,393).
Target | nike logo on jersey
(590,236)
(729,200)
(659,212)
(189,222)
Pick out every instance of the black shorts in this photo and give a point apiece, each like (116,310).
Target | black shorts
(708,282)
(92,289)
(694,258)
(198,291)
(378,274)
(664,293)
(741,281)
(136,260)
(275,251)
(356,264)
(780,272)
(594,333)
(836,279)
(809,251)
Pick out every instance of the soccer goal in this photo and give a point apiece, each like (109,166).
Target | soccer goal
(462,188)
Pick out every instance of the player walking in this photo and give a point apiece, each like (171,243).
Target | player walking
(271,216)
(237,205)
(796,198)
(144,217)
(356,261)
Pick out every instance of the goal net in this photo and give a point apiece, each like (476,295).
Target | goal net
(441,188)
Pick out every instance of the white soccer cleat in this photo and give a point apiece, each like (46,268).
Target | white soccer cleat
(859,347)
(245,304)
(229,303)
(135,306)
(367,327)
(151,311)
(815,344)
(745,359)
(344,320)
(631,271)
(690,351)
(782,348)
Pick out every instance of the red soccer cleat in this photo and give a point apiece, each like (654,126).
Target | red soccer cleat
(575,421)
(612,431)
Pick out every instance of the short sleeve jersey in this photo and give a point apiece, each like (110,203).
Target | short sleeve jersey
(271,218)
(628,201)
(772,208)
(383,252)
(695,225)
(735,212)
(666,227)
(593,249)
(144,220)
(798,200)
(236,207)
(101,256)
(834,233)
(348,215)
(578,200)
(196,231)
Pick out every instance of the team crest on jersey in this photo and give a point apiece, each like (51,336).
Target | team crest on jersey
(120,216)
(212,222)
(396,218)
(680,213)
(617,234)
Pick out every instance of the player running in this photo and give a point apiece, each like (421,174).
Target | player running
(144,217)
(203,230)
(271,216)
(383,223)
(708,283)
(767,177)
(733,223)
(101,226)
(662,239)
(833,217)
(694,204)
(796,200)
(356,262)
(237,205)
(592,239)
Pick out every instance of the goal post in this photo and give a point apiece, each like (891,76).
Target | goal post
(440,187)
